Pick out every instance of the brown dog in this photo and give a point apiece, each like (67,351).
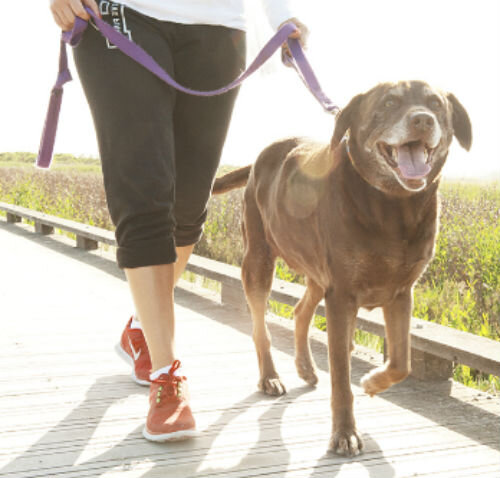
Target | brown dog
(359,218)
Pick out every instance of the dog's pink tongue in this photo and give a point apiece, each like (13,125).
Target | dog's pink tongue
(411,159)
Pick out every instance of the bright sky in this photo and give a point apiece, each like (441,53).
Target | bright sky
(452,44)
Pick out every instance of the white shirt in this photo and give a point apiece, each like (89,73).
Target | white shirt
(228,13)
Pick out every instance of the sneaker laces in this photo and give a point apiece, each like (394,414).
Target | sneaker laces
(170,383)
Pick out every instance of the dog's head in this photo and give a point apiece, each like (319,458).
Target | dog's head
(399,134)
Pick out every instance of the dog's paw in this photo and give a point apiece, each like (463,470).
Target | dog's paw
(346,443)
(272,386)
(373,382)
(307,371)
(381,378)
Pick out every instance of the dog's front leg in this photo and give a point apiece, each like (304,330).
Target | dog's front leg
(341,316)
(397,316)
(303,314)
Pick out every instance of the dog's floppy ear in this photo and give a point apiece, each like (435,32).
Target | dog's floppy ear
(462,128)
(344,120)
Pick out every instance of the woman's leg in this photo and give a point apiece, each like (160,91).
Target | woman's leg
(133,116)
(207,57)
(152,289)
(153,292)
(183,255)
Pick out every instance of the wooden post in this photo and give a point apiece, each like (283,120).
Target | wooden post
(426,366)
(43,229)
(86,243)
(13,218)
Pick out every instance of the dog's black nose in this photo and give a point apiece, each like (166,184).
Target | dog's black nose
(421,122)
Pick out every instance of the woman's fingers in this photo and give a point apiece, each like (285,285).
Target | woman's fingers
(58,20)
(301,33)
(67,16)
(62,13)
(93,5)
(65,11)
(78,10)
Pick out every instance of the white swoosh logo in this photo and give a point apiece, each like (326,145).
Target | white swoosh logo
(134,353)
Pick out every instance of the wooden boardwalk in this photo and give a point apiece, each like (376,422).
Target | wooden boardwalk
(68,407)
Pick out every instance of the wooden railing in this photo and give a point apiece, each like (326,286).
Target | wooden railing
(435,348)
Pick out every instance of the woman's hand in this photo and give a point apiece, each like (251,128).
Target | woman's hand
(65,11)
(301,33)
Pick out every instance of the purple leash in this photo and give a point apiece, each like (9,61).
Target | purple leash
(134,51)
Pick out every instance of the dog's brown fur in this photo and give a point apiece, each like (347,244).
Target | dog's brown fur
(360,230)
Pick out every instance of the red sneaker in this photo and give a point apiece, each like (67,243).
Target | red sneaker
(170,417)
(134,350)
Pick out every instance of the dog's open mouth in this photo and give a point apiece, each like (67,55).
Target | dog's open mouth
(411,160)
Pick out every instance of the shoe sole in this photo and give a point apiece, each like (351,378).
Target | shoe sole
(127,358)
(174,436)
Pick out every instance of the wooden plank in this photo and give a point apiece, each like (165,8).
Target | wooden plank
(90,232)
(454,345)
(445,342)
(215,270)
(268,460)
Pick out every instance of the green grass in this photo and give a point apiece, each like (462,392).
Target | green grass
(461,286)
(459,289)
(73,192)
(59,159)
(60,162)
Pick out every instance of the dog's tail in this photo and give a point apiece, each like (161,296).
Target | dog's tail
(233,180)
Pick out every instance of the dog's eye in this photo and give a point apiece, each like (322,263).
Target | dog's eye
(435,103)
(391,102)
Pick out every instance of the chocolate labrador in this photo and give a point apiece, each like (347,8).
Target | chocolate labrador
(358,217)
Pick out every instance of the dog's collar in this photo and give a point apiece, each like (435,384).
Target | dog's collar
(348,149)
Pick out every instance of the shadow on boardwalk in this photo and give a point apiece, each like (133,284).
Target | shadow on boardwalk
(184,459)
(181,459)
(429,399)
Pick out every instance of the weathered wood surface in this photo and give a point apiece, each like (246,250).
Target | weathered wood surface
(68,407)
(434,342)
(435,347)
(45,224)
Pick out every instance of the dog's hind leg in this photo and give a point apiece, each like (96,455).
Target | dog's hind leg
(257,275)
(303,313)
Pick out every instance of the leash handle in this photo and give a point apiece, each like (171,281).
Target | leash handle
(139,55)
(52,118)
(303,68)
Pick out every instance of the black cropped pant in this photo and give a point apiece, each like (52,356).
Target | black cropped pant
(159,148)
